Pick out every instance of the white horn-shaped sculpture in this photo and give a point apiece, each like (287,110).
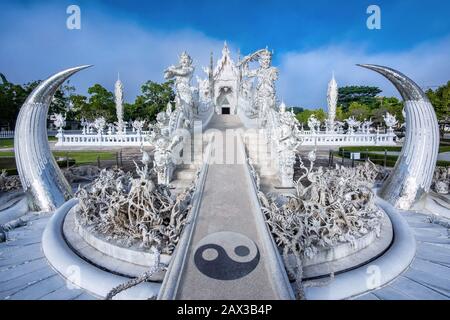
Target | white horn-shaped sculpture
(39,173)
(413,172)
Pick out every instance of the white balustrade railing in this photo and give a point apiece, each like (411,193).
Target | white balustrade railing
(356,139)
(6,134)
(124,140)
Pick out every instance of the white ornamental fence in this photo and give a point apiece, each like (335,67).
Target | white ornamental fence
(100,140)
(342,140)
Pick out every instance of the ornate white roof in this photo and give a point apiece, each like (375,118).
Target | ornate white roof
(225,68)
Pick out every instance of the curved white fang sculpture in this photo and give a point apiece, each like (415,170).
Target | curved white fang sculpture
(39,173)
(415,166)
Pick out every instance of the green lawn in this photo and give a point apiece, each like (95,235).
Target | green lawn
(7,160)
(378,158)
(9,143)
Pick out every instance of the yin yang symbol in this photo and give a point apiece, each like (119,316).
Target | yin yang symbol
(226,256)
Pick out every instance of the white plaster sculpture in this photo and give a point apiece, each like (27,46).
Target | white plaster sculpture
(139,211)
(352,123)
(266,76)
(313,124)
(9,183)
(390,120)
(184,103)
(329,207)
(99,125)
(118,94)
(441,180)
(59,121)
(332,97)
(167,147)
(138,125)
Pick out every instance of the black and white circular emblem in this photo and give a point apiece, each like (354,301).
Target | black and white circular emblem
(226,255)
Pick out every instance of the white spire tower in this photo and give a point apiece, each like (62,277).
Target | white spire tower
(118,93)
(332,97)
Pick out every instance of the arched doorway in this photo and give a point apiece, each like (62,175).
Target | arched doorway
(225,100)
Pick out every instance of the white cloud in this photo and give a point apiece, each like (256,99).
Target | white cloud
(304,75)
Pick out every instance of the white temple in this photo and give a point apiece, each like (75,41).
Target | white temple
(225,84)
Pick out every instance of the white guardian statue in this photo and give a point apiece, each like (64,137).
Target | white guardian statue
(266,76)
(182,74)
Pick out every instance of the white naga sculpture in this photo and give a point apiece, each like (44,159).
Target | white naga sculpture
(118,94)
(184,102)
(266,76)
(59,121)
(332,97)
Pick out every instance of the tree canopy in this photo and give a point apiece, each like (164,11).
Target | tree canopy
(360,94)
(98,103)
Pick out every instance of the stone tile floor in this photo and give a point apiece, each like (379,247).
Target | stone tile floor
(25,273)
(428,276)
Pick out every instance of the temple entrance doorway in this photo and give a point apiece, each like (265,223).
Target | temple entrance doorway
(225,100)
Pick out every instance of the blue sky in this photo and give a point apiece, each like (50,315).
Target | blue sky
(310,39)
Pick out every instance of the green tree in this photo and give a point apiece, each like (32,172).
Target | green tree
(384,105)
(440,99)
(154,99)
(99,104)
(361,94)
(359,110)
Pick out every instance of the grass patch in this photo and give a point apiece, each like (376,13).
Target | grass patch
(9,143)
(377,158)
(7,160)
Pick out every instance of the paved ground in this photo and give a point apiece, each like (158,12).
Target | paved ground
(428,277)
(24,271)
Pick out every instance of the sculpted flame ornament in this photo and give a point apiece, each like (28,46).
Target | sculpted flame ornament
(413,172)
(39,173)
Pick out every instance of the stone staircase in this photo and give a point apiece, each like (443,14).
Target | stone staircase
(185,173)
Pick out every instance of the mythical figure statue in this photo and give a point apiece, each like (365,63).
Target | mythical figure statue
(59,121)
(166,146)
(287,138)
(314,124)
(390,120)
(182,74)
(266,76)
